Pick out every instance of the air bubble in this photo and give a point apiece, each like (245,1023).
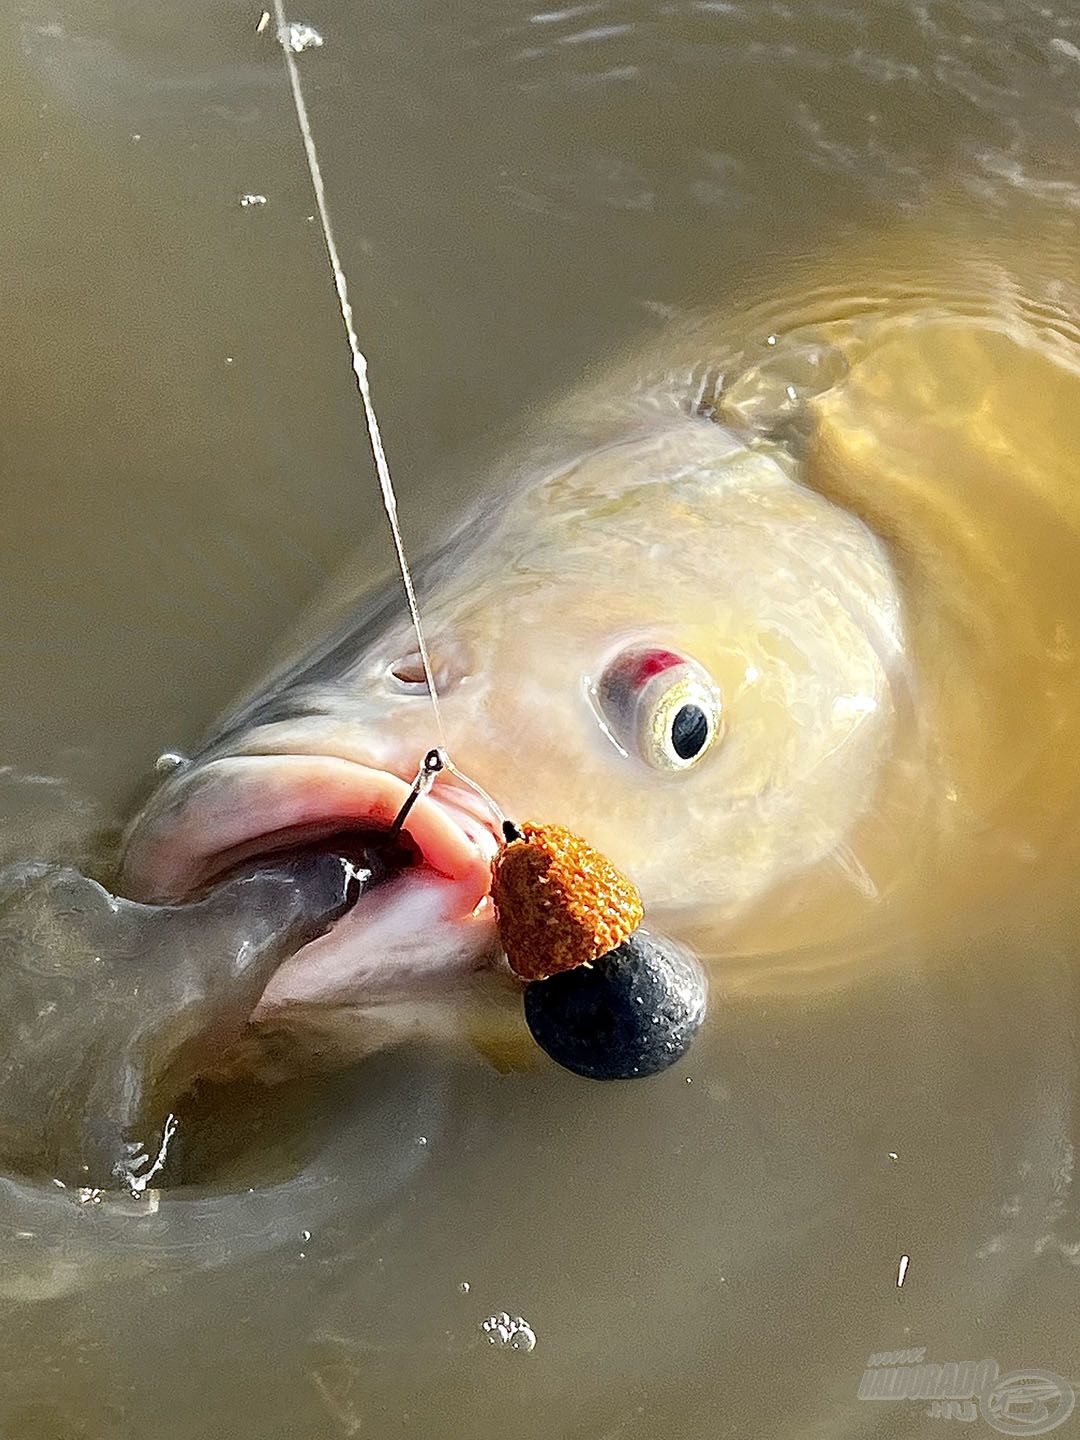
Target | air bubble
(509,1333)
(171,760)
(300,36)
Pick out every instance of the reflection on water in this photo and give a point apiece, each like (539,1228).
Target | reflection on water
(518,195)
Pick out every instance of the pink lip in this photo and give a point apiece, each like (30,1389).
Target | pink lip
(246,805)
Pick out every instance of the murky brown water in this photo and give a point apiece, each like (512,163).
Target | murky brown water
(520,196)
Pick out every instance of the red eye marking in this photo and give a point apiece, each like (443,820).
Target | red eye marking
(636,668)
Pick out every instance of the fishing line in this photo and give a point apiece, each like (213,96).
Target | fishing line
(578,945)
(359,360)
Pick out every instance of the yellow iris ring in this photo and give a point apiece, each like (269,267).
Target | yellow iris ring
(661,701)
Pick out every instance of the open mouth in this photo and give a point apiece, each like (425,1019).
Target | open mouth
(416,906)
(246,806)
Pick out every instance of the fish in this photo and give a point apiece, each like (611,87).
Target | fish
(842,527)
(735,613)
(674,571)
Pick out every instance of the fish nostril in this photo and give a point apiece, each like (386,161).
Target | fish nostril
(409,672)
(448,667)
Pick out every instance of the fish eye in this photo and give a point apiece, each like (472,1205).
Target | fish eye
(660,705)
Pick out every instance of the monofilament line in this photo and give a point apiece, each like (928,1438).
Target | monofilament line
(359,361)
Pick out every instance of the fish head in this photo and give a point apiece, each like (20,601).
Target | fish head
(667,644)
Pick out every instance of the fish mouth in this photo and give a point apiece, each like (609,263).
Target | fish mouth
(429,916)
(239,807)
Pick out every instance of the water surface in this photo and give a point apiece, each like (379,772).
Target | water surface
(521,196)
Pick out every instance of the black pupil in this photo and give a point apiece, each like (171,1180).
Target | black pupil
(689,731)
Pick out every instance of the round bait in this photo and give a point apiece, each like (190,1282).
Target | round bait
(604,999)
(631,1013)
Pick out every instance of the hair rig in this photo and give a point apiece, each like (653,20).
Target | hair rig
(603,997)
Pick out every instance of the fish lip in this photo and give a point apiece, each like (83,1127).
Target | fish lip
(241,806)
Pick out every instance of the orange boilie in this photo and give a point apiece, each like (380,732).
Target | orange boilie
(559,903)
